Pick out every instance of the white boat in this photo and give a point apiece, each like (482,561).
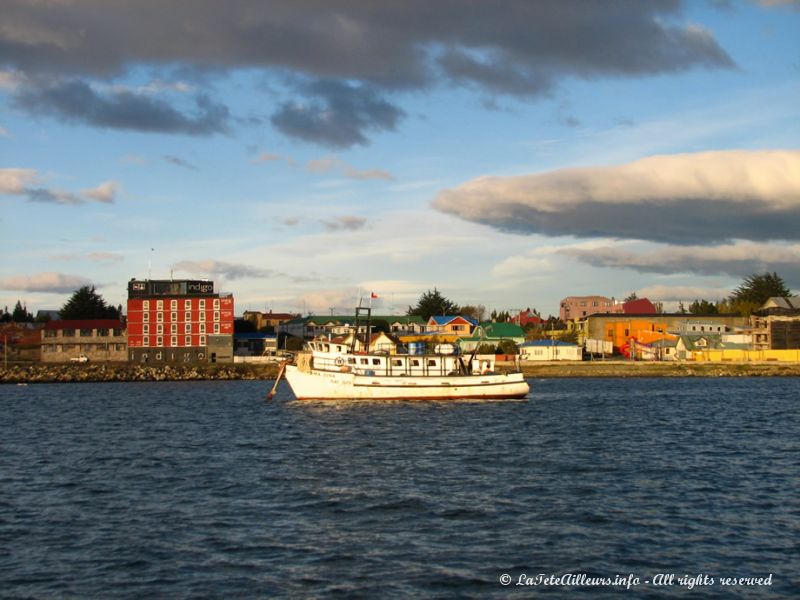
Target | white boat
(333,370)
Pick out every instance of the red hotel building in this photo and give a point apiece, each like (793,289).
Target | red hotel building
(178,321)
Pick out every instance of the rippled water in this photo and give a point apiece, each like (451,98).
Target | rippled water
(203,489)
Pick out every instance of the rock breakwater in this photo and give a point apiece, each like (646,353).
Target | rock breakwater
(68,373)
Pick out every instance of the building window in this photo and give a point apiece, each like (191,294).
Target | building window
(202,304)
(187,305)
(102,333)
(159,305)
(49,333)
(216,303)
(146,317)
(187,340)
(216,315)
(160,317)
(145,329)
(159,341)
(173,328)
(173,305)
(146,340)
(202,315)
(117,332)
(202,340)
(173,316)
(159,329)
(216,327)
(202,327)
(146,305)
(173,341)
(187,328)
(86,333)
(67,333)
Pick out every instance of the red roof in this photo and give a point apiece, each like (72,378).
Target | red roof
(86,324)
(640,306)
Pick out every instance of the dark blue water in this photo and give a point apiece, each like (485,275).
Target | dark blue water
(204,490)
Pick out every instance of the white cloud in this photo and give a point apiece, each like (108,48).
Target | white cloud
(707,197)
(45,282)
(215,268)
(15,181)
(105,192)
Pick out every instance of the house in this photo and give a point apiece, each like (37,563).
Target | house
(405,325)
(99,340)
(778,305)
(579,307)
(545,350)
(21,341)
(492,333)
(254,344)
(451,324)
(619,329)
(267,319)
(528,318)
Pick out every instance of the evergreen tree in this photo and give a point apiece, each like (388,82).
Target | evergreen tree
(433,303)
(703,307)
(21,314)
(86,303)
(754,291)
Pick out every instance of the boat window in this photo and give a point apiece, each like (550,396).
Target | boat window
(415,363)
(351,361)
(326,348)
(431,363)
(364,361)
(376,361)
(397,362)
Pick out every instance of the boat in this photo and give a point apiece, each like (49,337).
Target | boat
(339,369)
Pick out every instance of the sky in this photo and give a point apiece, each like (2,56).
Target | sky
(300,153)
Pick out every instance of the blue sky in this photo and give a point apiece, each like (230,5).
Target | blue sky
(508,153)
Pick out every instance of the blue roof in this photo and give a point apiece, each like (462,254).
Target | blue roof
(535,343)
(445,319)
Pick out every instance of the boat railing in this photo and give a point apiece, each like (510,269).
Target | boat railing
(393,365)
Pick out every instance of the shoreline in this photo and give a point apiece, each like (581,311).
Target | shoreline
(108,372)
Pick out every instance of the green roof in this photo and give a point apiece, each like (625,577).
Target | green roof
(502,330)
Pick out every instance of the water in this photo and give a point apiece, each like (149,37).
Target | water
(203,489)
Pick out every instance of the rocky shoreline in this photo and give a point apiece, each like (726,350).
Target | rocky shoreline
(98,372)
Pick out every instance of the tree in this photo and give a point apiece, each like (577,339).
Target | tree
(703,307)
(631,297)
(86,303)
(477,312)
(433,303)
(21,314)
(753,292)
(760,288)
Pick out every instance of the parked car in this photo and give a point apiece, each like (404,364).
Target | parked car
(81,358)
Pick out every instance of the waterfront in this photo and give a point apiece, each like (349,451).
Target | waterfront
(203,489)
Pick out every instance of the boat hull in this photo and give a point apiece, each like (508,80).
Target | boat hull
(328,385)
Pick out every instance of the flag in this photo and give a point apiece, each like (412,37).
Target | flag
(373,295)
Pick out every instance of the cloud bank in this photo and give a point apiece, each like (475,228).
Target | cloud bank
(230,271)
(702,198)
(737,260)
(347,54)
(51,282)
(20,182)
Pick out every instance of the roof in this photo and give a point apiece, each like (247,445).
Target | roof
(446,319)
(787,303)
(547,343)
(85,324)
(638,306)
(502,330)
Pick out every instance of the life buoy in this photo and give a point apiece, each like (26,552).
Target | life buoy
(339,361)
